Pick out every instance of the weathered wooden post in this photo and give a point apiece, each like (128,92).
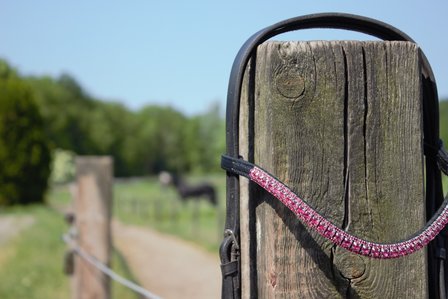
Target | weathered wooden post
(340,122)
(93,213)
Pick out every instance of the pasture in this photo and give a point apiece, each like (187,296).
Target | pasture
(31,264)
(145,202)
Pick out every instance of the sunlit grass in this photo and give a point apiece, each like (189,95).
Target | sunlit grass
(32,267)
(59,197)
(120,266)
(31,264)
(145,202)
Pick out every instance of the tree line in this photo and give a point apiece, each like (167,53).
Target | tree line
(42,116)
(142,142)
(25,153)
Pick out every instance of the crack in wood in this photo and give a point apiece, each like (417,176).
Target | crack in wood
(346,221)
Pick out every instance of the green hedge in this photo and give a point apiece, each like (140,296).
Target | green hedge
(24,150)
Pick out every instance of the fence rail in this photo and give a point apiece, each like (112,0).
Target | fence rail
(106,270)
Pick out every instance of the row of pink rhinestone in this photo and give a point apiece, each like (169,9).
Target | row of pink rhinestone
(336,235)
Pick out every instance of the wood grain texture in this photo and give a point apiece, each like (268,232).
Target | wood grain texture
(340,123)
(93,214)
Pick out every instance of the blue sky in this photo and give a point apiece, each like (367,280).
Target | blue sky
(180,52)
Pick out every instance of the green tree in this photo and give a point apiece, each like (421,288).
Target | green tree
(159,142)
(77,122)
(66,110)
(211,138)
(24,150)
(111,126)
(142,142)
(62,167)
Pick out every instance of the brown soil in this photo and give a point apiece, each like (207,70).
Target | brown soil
(167,266)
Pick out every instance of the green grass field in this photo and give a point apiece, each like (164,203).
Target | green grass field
(31,264)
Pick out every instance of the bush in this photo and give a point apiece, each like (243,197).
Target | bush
(24,150)
(63,167)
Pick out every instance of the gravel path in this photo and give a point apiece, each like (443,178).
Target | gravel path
(167,266)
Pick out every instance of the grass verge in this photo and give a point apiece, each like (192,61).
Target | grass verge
(31,264)
(33,267)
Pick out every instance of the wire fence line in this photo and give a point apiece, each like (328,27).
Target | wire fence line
(194,220)
(106,270)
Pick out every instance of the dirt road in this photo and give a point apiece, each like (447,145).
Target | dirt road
(167,266)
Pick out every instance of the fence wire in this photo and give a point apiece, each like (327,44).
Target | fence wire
(106,270)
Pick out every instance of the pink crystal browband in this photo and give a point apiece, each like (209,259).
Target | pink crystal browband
(307,215)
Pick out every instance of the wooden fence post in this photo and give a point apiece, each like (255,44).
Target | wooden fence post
(340,122)
(93,204)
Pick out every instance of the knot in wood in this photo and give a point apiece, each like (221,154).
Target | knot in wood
(350,266)
(290,83)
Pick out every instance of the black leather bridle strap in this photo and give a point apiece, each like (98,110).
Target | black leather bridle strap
(231,287)
(442,159)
